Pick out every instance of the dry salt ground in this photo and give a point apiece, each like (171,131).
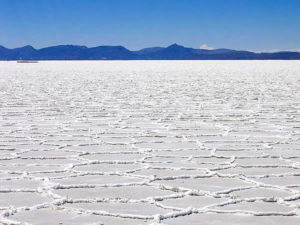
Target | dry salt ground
(150,142)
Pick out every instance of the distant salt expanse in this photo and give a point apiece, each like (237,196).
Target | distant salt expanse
(150,142)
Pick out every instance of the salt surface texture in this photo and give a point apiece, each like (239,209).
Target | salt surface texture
(157,142)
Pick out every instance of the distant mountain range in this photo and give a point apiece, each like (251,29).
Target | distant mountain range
(172,52)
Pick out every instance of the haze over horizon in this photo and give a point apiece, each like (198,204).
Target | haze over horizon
(255,25)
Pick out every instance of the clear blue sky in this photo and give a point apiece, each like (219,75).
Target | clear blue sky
(237,24)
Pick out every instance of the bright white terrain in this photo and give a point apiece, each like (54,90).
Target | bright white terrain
(157,142)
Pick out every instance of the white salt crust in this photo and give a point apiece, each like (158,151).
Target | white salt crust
(150,142)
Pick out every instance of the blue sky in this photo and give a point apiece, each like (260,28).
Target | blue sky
(238,24)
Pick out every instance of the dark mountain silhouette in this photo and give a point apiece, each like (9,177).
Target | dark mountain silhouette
(18,53)
(172,52)
(110,52)
(62,52)
(148,50)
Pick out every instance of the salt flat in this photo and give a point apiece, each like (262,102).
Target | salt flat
(150,142)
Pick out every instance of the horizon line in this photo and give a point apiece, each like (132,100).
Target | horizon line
(205,49)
